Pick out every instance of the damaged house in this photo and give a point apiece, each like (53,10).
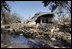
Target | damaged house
(42,18)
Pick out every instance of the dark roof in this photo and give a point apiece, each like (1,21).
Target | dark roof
(40,14)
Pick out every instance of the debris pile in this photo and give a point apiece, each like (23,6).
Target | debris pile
(50,32)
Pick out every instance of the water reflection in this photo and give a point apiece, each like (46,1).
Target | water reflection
(34,43)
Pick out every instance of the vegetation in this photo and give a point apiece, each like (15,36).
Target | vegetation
(6,16)
(11,18)
(58,4)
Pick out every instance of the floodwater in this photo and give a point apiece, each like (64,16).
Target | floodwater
(23,42)
(29,42)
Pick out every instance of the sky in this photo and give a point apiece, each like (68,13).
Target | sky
(27,9)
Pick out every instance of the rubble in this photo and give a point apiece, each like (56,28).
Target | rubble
(53,39)
(48,32)
(7,26)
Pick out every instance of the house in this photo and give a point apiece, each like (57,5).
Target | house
(41,18)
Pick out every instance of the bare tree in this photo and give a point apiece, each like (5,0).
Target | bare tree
(4,8)
(58,4)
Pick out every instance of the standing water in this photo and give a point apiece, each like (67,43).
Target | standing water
(23,42)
